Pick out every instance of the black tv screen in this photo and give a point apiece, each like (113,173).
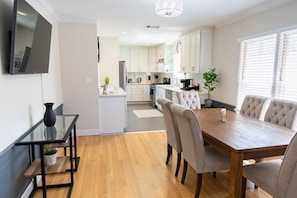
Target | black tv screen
(30,41)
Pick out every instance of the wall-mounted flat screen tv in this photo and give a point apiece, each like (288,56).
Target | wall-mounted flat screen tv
(30,40)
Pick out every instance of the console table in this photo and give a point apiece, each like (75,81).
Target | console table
(63,134)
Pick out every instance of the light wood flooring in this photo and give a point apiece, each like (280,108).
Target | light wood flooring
(133,166)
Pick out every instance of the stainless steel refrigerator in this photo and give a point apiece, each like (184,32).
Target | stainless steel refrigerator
(123,75)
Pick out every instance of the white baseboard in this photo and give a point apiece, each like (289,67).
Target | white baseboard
(29,188)
(88,132)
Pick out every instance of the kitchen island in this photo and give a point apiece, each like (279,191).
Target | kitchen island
(112,111)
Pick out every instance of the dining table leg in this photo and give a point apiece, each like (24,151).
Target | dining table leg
(235,181)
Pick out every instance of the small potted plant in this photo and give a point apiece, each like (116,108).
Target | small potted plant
(106,80)
(210,83)
(50,155)
(106,83)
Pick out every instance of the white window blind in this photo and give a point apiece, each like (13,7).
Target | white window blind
(268,66)
(286,81)
(256,67)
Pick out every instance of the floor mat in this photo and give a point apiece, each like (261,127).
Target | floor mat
(148,113)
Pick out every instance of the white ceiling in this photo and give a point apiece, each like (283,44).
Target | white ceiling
(115,16)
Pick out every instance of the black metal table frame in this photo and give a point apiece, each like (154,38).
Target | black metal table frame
(72,128)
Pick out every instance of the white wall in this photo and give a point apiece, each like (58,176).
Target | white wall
(226,45)
(78,45)
(22,96)
(109,60)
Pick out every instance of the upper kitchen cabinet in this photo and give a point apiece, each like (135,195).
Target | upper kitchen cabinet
(139,59)
(196,51)
(165,58)
(152,61)
(136,58)
(125,56)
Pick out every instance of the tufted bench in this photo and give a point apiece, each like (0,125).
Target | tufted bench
(189,99)
(254,106)
(282,113)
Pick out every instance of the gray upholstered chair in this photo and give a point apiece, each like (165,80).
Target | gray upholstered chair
(282,113)
(202,159)
(254,106)
(278,178)
(173,137)
(189,99)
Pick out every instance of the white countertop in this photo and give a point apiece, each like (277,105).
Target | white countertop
(112,92)
(143,83)
(177,89)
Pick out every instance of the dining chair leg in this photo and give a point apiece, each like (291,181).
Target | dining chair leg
(178,163)
(214,174)
(169,152)
(243,187)
(198,186)
(184,172)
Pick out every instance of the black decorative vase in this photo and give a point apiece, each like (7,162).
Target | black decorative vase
(49,117)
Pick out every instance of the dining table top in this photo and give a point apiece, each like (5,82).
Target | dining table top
(241,133)
(241,138)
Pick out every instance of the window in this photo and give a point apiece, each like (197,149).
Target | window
(268,66)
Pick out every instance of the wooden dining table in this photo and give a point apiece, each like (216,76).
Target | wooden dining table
(241,138)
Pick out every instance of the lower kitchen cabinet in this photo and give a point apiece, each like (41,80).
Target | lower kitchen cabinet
(138,92)
(112,113)
(160,93)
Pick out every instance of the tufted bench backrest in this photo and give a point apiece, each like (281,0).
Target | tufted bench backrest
(282,113)
(254,106)
(189,99)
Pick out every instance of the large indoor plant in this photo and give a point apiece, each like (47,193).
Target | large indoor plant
(210,83)
(50,155)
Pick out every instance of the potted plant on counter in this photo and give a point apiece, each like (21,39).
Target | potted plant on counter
(210,83)
(106,83)
(50,155)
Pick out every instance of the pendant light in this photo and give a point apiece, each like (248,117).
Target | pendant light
(169,8)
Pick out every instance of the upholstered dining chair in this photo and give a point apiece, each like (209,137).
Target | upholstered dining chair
(278,178)
(254,106)
(173,137)
(202,159)
(189,99)
(282,112)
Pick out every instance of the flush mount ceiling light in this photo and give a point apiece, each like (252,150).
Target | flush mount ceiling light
(169,8)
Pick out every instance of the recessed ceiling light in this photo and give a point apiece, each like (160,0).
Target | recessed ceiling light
(124,32)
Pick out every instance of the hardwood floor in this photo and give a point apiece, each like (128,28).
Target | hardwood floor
(133,166)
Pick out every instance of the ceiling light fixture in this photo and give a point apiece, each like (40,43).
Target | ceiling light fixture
(169,8)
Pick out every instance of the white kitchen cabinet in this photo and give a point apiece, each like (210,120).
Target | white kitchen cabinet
(138,92)
(138,59)
(174,97)
(125,56)
(129,92)
(160,52)
(146,93)
(165,58)
(160,93)
(152,60)
(113,113)
(196,49)
(165,52)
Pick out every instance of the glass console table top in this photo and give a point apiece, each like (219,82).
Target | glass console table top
(59,133)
